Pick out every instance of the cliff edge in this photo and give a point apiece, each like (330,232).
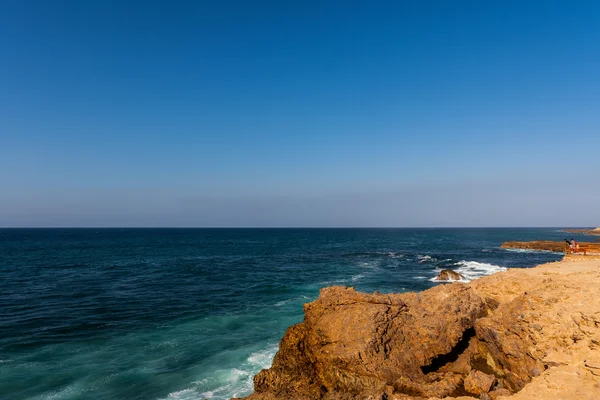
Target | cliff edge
(521,334)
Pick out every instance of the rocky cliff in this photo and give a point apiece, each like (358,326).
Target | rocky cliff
(526,333)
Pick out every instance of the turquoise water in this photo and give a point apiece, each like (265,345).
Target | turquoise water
(195,313)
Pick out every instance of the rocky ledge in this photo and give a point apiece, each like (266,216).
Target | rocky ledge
(595,231)
(546,245)
(521,334)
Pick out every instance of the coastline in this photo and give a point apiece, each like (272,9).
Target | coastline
(532,334)
(225,315)
(568,318)
(549,245)
(589,231)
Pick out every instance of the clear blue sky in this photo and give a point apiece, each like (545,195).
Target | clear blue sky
(308,113)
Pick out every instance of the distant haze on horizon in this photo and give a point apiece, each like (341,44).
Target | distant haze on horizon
(314,114)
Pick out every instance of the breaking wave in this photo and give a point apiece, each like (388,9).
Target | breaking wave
(532,251)
(473,270)
(234,382)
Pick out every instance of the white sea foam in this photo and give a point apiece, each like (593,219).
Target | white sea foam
(353,278)
(334,282)
(393,254)
(263,358)
(301,299)
(423,259)
(66,392)
(369,265)
(234,382)
(450,280)
(521,250)
(182,394)
(532,251)
(473,270)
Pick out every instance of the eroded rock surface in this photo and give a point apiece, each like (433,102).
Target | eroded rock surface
(503,334)
(478,382)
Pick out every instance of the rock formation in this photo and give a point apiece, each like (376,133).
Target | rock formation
(449,275)
(595,231)
(520,332)
(547,245)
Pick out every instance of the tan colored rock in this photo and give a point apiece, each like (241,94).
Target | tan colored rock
(535,331)
(360,343)
(545,363)
(449,275)
(548,245)
(478,383)
(595,231)
(593,365)
(497,394)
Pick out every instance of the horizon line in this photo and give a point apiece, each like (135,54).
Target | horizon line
(295,227)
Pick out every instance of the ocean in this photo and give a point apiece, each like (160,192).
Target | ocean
(192,314)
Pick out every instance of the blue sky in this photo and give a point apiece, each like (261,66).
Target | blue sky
(271,113)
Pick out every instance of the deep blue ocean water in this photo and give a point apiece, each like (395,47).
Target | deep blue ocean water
(195,313)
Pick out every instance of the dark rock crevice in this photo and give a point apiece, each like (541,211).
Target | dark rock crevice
(450,357)
(362,345)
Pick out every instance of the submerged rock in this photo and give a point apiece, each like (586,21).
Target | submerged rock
(449,275)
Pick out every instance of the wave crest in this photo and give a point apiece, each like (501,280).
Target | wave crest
(473,270)
(234,382)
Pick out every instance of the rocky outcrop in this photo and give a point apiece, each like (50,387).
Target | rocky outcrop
(546,245)
(359,344)
(503,334)
(595,231)
(449,275)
